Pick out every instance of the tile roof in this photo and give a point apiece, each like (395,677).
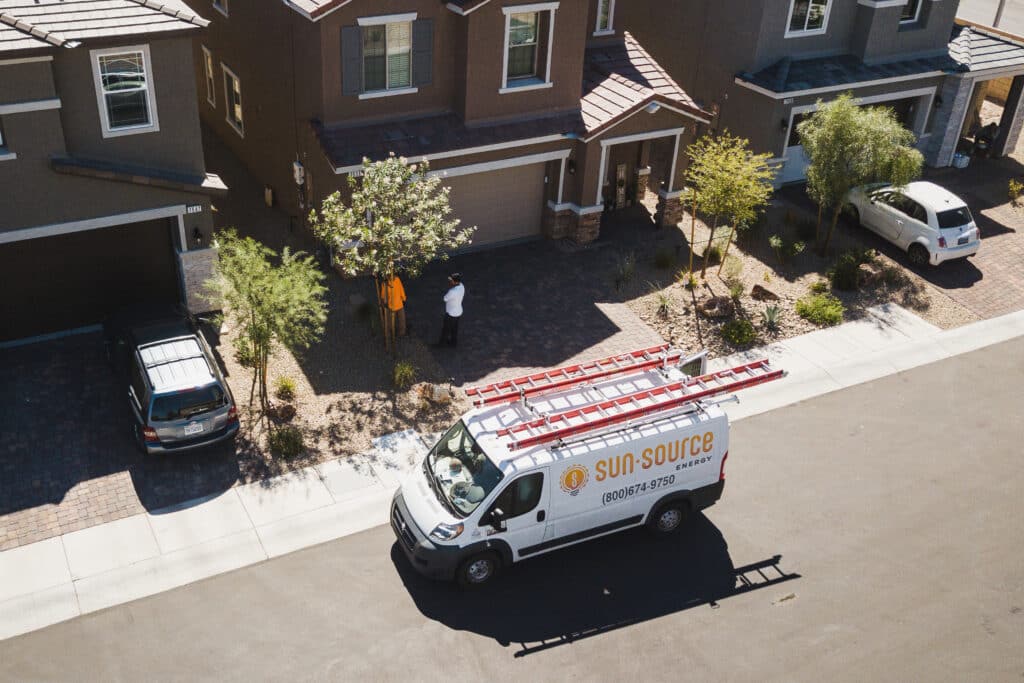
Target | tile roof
(314,9)
(34,24)
(619,78)
(976,49)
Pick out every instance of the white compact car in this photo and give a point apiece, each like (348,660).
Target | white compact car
(930,223)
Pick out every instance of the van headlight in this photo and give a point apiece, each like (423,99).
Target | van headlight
(446,532)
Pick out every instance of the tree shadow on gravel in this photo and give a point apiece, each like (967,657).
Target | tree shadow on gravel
(594,588)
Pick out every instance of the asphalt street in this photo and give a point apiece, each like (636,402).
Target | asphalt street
(870,534)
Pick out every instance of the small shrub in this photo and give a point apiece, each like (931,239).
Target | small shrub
(733,267)
(284,388)
(739,332)
(244,354)
(286,441)
(713,253)
(784,251)
(892,276)
(796,249)
(819,287)
(664,258)
(770,317)
(767,277)
(663,304)
(1014,190)
(821,309)
(404,375)
(807,230)
(846,274)
(735,289)
(687,279)
(625,270)
(776,243)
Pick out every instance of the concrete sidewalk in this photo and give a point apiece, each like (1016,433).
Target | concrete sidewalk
(88,570)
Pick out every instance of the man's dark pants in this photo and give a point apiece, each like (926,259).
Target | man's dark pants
(449,330)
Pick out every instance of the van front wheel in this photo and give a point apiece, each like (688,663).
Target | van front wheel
(669,517)
(478,570)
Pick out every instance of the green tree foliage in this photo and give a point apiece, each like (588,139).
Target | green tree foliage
(849,145)
(397,215)
(730,183)
(270,299)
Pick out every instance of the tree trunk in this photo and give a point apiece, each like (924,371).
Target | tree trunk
(707,251)
(693,231)
(831,228)
(817,226)
(728,243)
(378,281)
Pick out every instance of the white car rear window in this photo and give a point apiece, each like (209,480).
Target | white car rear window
(954,218)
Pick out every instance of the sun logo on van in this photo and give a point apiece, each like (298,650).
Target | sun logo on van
(574,478)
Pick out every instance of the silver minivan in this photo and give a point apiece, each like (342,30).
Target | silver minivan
(176,391)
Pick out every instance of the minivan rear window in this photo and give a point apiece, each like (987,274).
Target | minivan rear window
(954,218)
(185,404)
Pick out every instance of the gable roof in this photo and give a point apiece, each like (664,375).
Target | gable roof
(34,24)
(621,78)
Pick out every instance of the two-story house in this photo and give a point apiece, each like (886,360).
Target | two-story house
(538,115)
(764,66)
(104,196)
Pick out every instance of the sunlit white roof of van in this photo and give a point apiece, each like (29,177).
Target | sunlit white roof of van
(175,364)
(484,423)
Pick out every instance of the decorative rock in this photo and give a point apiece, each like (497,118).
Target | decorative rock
(868,273)
(284,412)
(761,294)
(440,394)
(717,307)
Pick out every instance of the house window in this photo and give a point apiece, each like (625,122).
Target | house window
(528,42)
(807,17)
(124,91)
(911,12)
(605,13)
(233,100)
(221,6)
(211,82)
(387,56)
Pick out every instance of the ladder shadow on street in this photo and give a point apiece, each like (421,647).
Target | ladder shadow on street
(595,588)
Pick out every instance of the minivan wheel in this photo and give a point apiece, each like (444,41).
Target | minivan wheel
(918,255)
(669,517)
(478,570)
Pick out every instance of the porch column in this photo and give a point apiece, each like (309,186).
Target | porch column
(955,96)
(1011,123)
(670,206)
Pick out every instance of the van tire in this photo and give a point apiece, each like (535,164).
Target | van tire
(669,517)
(478,570)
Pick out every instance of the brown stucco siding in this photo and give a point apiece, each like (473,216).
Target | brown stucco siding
(884,38)
(26,82)
(175,146)
(774,45)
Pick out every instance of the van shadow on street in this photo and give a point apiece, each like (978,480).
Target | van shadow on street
(595,587)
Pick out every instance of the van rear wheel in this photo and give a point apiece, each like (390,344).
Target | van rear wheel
(669,517)
(478,570)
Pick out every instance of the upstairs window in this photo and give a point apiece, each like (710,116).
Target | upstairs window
(387,56)
(124,91)
(211,81)
(605,14)
(529,32)
(807,17)
(911,12)
(233,101)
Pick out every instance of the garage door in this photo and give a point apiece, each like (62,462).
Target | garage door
(503,205)
(78,279)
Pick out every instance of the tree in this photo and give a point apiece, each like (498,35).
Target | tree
(848,146)
(398,216)
(271,300)
(729,182)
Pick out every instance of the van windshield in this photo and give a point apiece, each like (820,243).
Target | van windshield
(184,404)
(459,472)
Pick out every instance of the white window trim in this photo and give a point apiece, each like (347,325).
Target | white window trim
(154,120)
(374,94)
(227,100)
(917,14)
(526,9)
(387,19)
(210,78)
(813,32)
(221,6)
(598,31)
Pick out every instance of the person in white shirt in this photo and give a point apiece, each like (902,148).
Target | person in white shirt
(452,310)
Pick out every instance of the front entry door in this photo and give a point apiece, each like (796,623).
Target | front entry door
(524,502)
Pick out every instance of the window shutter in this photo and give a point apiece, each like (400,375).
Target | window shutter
(351,60)
(422,52)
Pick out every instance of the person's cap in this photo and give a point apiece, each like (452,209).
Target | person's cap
(455,277)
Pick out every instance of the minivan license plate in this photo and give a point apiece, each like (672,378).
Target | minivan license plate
(193,428)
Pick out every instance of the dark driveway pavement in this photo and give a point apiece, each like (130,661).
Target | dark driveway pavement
(67,461)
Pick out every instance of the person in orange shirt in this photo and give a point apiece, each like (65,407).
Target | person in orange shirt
(392,297)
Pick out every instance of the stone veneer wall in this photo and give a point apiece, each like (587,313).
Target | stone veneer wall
(557,224)
(669,211)
(196,268)
(956,94)
(588,227)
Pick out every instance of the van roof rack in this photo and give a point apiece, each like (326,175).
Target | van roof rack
(557,426)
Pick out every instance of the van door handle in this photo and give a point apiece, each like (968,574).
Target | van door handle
(541,516)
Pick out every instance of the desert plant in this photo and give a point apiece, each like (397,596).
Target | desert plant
(776,243)
(403,375)
(739,332)
(1014,189)
(688,279)
(770,317)
(819,286)
(713,253)
(284,388)
(732,267)
(286,441)
(767,277)
(663,304)
(785,250)
(664,258)
(846,273)
(820,309)
(735,289)
(624,271)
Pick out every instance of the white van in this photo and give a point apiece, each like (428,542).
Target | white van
(514,480)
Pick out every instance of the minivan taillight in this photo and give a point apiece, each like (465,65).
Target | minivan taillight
(233,413)
(149,435)
(721,472)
